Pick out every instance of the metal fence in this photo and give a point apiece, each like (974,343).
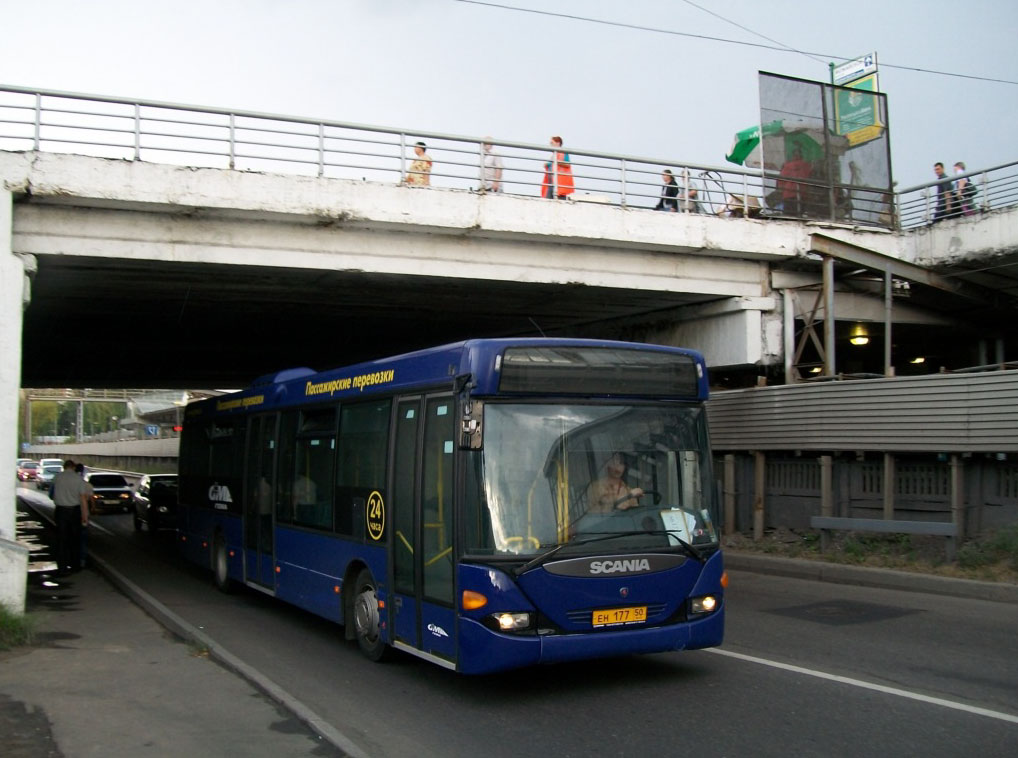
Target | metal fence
(995,188)
(130,129)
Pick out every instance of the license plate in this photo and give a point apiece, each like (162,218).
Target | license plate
(110,502)
(636,614)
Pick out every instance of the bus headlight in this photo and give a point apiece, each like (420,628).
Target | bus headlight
(701,605)
(512,622)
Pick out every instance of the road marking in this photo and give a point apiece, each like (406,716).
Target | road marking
(93,525)
(868,685)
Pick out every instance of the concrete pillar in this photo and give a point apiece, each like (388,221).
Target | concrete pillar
(760,482)
(888,322)
(958,493)
(826,496)
(729,493)
(830,362)
(788,316)
(888,486)
(13,557)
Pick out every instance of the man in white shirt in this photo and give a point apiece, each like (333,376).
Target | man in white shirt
(491,168)
(71,514)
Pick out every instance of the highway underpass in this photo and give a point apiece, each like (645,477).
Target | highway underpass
(121,273)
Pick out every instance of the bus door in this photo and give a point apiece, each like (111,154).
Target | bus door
(422,612)
(259,494)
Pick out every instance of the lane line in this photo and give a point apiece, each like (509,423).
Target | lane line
(868,685)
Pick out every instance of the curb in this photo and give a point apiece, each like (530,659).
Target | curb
(864,576)
(181,628)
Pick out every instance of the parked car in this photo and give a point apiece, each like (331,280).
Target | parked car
(155,502)
(28,471)
(109,490)
(46,474)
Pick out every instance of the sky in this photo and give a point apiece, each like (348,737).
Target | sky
(474,69)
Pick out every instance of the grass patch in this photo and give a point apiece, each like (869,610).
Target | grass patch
(993,556)
(999,547)
(15,629)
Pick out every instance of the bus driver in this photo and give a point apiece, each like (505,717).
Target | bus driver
(611,492)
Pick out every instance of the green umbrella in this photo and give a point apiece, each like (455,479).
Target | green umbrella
(781,140)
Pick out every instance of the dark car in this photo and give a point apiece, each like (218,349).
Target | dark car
(155,502)
(109,491)
(28,471)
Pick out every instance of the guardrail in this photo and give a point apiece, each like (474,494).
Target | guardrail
(134,129)
(996,188)
(199,136)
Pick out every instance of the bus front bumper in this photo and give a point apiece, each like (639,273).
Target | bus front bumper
(482,651)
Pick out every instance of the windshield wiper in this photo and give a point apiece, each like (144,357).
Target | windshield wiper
(544,557)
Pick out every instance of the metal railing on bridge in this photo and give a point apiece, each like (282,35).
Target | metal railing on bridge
(994,188)
(132,129)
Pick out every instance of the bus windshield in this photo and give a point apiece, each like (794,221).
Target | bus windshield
(610,476)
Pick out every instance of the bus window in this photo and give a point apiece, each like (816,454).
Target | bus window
(226,457)
(436,495)
(363,443)
(577,478)
(314,451)
(285,467)
(404,467)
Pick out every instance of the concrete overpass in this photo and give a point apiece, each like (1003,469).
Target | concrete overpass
(180,277)
(127,273)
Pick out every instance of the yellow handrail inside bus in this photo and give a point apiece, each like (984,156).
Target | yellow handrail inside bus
(403,539)
(441,555)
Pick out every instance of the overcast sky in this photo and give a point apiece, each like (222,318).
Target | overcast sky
(471,69)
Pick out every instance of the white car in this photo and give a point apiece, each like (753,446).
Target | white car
(44,478)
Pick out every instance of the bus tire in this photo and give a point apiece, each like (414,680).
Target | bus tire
(221,566)
(367,623)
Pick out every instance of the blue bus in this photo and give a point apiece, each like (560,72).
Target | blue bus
(484,505)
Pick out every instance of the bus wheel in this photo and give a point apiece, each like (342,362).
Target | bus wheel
(221,566)
(367,623)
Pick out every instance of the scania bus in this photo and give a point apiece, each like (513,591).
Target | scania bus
(451,502)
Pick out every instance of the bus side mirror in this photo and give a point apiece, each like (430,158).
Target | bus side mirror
(471,425)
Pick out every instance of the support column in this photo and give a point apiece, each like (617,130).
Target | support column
(759,482)
(13,557)
(889,486)
(888,323)
(830,364)
(788,322)
(826,497)
(958,493)
(729,492)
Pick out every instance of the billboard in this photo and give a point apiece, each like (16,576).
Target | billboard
(826,150)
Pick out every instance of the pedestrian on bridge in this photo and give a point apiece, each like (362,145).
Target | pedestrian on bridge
(669,193)
(558,174)
(491,167)
(945,193)
(419,174)
(70,498)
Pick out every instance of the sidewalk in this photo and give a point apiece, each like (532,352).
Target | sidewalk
(105,679)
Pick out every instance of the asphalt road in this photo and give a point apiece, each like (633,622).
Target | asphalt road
(807,668)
